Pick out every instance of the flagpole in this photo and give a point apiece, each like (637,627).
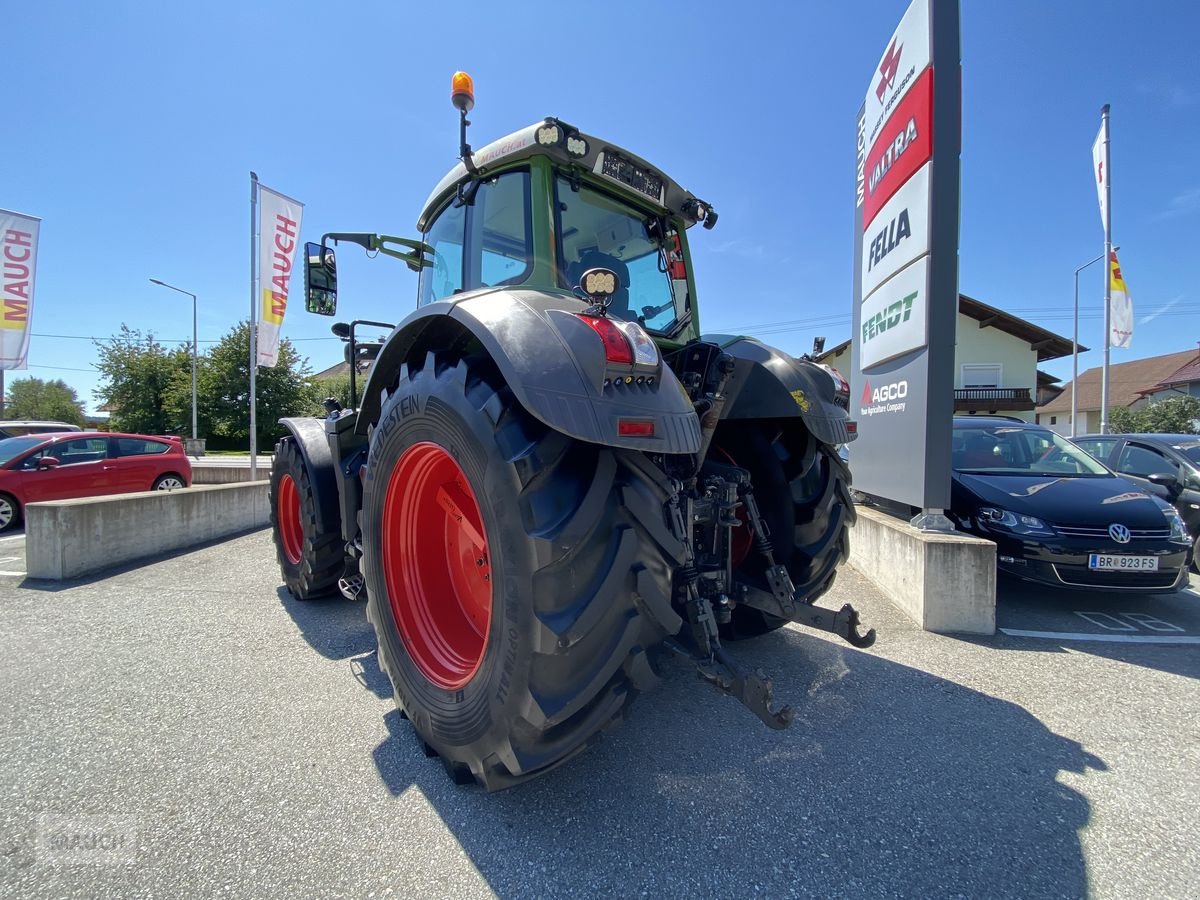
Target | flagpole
(1107,273)
(253,329)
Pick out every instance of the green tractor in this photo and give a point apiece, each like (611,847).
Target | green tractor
(550,471)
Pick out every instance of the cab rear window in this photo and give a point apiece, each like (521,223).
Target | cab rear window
(140,447)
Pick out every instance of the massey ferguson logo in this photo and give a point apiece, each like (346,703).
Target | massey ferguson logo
(883,399)
(888,69)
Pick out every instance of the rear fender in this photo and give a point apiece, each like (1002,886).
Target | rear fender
(768,383)
(552,361)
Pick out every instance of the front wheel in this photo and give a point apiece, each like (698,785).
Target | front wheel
(168,482)
(515,576)
(10,512)
(310,553)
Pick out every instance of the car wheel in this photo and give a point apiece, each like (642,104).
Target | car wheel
(168,482)
(9,512)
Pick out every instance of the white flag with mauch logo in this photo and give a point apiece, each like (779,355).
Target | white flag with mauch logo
(1099,175)
(1120,306)
(278,236)
(18,264)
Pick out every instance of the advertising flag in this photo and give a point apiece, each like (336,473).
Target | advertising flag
(278,235)
(1099,175)
(1120,307)
(18,251)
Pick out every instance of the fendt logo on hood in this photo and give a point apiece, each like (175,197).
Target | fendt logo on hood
(888,69)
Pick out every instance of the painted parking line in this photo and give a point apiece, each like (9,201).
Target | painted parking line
(1105,638)
(12,537)
(18,574)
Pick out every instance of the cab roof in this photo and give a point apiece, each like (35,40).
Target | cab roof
(569,146)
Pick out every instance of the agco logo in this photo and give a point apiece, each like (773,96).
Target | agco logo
(1119,533)
(888,69)
(897,390)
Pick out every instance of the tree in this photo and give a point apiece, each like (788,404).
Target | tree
(224,388)
(336,386)
(32,398)
(146,386)
(1176,415)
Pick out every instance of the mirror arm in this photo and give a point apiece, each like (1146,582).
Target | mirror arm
(415,260)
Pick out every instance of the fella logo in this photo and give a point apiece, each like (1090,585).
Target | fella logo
(888,69)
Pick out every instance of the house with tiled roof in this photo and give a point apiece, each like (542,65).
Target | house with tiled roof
(1130,384)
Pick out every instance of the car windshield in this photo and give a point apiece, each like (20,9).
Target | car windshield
(1192,453)
(597,230)
(1018,450)
(11,448)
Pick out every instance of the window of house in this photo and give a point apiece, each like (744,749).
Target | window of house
(1054,420)
(982,375)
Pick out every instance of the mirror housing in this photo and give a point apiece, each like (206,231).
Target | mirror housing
(1165,480)
(48,462)
(320,280)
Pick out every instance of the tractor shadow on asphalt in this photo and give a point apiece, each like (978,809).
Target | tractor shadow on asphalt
(890,781)
(338,629)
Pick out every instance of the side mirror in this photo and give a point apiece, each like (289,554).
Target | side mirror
(1165,480)
(320,280)
(48,462)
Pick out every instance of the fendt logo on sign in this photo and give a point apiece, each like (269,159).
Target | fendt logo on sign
(897,312)
(888,68)
(883,399)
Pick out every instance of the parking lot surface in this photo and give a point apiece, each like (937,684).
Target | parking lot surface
(211,736)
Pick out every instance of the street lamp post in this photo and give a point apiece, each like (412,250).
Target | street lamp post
(194,343)
(1075,345)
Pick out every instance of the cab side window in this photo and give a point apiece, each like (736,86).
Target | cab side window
(500,248)
(1100,449)
(445,276)
(1137,459)
(70,453)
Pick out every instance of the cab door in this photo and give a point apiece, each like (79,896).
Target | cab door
(1138,461)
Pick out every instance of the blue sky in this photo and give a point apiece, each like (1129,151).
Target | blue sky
(131,129)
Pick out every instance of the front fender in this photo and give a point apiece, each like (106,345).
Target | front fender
(309,434)
(769,383)
(552,361)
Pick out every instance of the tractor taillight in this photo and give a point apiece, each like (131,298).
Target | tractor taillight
(617,348)
(635,428)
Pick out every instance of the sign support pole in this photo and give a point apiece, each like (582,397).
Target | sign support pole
(1107,274)
(253,329)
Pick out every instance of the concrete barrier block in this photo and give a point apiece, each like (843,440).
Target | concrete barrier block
(70,538)
(944,582)
(208,473)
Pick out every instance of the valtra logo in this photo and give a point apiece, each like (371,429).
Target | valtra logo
(888,69)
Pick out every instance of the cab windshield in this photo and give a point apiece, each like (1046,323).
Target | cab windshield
(1017,450)
(597,230)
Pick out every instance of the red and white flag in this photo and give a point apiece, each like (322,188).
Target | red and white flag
(278,234)
(1120,306)
(18,255)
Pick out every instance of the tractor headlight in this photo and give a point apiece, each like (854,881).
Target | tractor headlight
(644,351)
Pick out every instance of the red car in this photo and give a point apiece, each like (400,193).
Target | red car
(71,464)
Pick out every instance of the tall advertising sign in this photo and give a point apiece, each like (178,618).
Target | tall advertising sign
(906,262)
(18,255)
(278,230)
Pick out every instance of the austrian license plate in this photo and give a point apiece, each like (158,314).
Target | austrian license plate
(1110,562)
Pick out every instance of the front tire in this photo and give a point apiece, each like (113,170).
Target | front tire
(310,557)
(10,512)
(508,676)
(802,488)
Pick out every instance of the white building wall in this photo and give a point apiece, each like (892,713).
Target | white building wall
(991,345)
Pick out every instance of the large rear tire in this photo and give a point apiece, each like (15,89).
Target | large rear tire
(310,558)
(802,488)
(515,577)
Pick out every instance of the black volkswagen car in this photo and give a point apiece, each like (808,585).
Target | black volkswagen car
(1165,465)
(1057,515)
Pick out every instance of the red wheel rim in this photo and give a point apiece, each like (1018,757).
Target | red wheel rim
(291,528)
(740,541)
(436,565)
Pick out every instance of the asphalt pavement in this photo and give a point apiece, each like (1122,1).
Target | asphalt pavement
(187,728)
